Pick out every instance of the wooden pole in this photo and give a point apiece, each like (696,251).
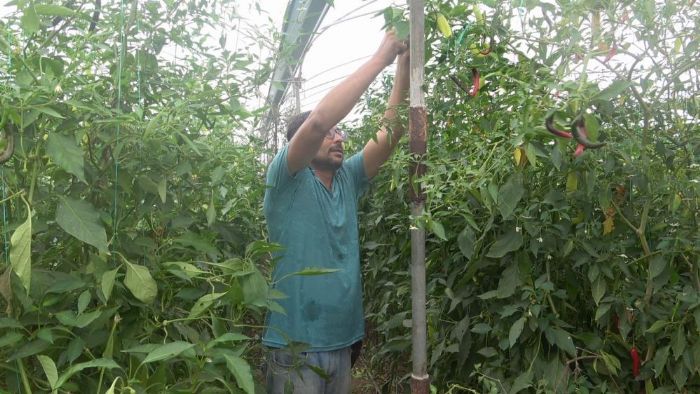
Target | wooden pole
(420,383)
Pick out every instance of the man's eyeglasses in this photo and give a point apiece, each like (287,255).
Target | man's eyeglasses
(332,133)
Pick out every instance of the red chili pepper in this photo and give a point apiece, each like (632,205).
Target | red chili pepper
(549,123)
(635,361)
(475,82)
(579,133)
(579,150)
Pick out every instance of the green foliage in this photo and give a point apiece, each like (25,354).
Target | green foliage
(142,209)
(546,271)
(133,261)
(20,256)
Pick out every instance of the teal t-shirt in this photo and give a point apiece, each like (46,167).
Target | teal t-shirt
(317,228)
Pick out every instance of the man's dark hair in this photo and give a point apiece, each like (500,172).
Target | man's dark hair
(295,122)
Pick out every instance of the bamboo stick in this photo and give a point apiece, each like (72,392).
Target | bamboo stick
(420,383)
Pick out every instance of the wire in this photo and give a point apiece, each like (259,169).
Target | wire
(309,97)
(326,83)
(320,31)
(342,19)
(338,66)
(345,18)
(339,21)
(321,85)
(293,79)
(355,10)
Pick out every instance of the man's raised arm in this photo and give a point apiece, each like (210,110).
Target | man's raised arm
(377,152)
(338,103)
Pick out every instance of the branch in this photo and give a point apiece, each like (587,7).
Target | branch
(624,218)
(21,192)
(581,358)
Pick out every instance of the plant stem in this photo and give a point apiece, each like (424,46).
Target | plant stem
(549,296)
(643,241)
(25,381)
(581,358)
(694,272)
(12,196)
(31,185)
(624,218)
(647,252)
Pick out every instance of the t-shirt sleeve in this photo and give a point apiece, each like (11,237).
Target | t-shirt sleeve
(278,177)
(355,166)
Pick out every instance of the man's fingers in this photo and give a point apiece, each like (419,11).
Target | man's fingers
(391,46)
(403,47)
(400,46)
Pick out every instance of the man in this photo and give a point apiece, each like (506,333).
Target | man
(311,210)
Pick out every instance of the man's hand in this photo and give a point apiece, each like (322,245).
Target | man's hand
(390,48)
(338,103)
(376,153)
(403,65)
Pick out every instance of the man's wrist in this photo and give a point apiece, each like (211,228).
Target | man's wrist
(380,60)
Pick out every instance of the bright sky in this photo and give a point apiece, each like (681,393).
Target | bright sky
(350,33)
(348,36)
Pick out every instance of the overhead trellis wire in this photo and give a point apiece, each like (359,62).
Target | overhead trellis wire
(318,74)
(326,83)
(347,18)
(301,21)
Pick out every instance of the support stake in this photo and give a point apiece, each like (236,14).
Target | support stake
(420,381)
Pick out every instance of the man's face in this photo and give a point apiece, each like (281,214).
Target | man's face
(331,153)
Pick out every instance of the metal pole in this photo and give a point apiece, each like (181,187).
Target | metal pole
(420,383)
(275,138)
